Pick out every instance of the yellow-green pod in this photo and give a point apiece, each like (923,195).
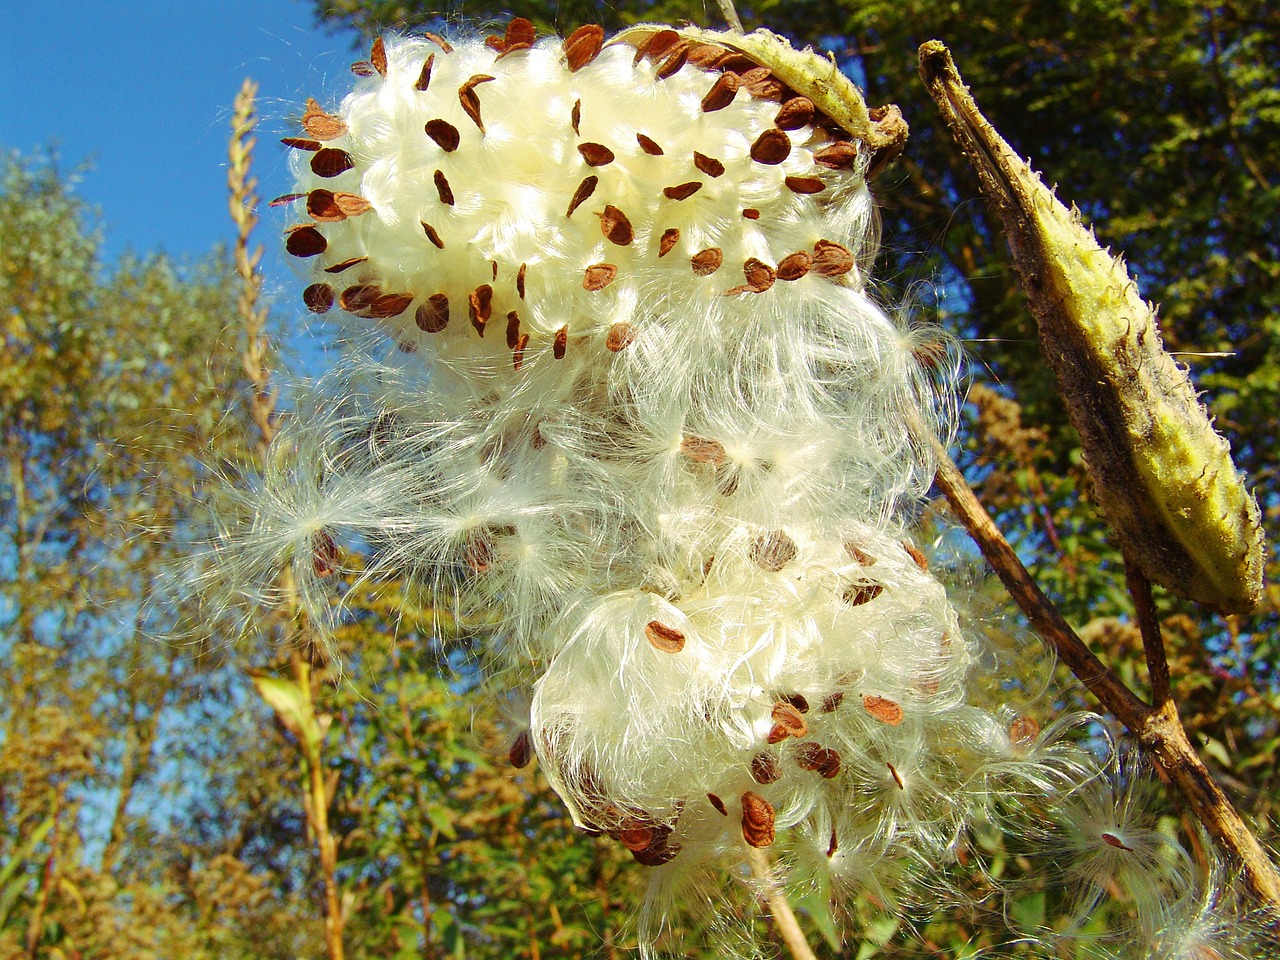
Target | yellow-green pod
(1163,476)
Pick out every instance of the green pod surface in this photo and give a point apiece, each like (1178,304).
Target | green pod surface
(1163,476)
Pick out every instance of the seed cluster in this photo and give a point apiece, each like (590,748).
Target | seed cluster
(671,481)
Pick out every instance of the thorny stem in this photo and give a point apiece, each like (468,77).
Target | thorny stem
(784,918)
(1157,728)
(255,359)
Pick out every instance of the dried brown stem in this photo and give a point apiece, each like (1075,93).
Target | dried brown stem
(1149,626)
(784,918)
(1157,728)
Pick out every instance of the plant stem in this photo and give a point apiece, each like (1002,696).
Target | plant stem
(784,918)
(1157,728)
(1149,625)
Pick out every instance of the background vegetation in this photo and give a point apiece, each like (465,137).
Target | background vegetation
(163,798)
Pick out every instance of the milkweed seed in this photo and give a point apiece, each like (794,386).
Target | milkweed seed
(1024,731)
(916,554)
(773,550)
(721,94)
(616,227)
(794,114)
(821,760)
(344,265)
(831,259)
(351,205)
(285,199)
(595,154)
(305,241)
(583,45)
(670,237)
(444,133)
(704,55)
(858,555)
(682,191)
(790,719)
(619,337)
(324,555)
(1112,840)
(300,143)
(521,751)
(708,165)
(675,59)
(362,68)
(882,709)
(432,234)
(331,162)
(318,297)
(751,213)
(520,275)
(322,208)
(656,854)
(757,820)
(656,44)
(796,700)
(856,594)
(636,838)
(480,303)
(575,116)
(585,189)
(831,702)
(321,125)
(707,262)
(517,355)
(703,450)
(837,156)
(771,147)
(439,41)
(477,553)
(513,329)
(832,847)
(648,145)
(765,769)
(663,638)
(378,57)
(598,276)
(718,804)
(560,343)
(470,100)
(433,316)
(794,266)
(443,188)
(424,78)
(897,777)
(804,185)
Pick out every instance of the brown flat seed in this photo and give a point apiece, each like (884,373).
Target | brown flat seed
(794,266)
(704,55)
(794,114)
(670,237)
(520,275)
(831,259)
(352,205)
(598,276)
(897,777)
(378,57)
(595,154)
(882,709)
(324,555)
(521,751)
(443,188)
(837,156)
(768,87)
(362,68)
(721,93)
(707,262)
(344,265)
(856,554)
(682,191)
(493,265)
(751,213)
(718,804)
(708,165)
(663,638)
(513,330)
(520,30)
(517,355)
(771,147)
(760,275)
(777,733)
(561,343)
(439,41)
(831,702)
(583,45)
(773,550)
(797,700)
(1024,731)
(470,100)
(321,207)
(330,162)
(1112,840)
(648,145)
(575,115)
(585,189)
(480,306)
(616,227)
(832,846)
(444,133)
(757,820)
(433,316)
(285,199)
(674,60)
(619,337)
(855,595)
(657,853)
(432,234)
(301,143)
(703,450)
(368,300)
(424,78)
(388,305)
(321,125)
(765,769)
(789,718)
(636,838)
(916,555)
(658,44)
(734,61)
(819,759)
(805,185)
(318,297)
(305,242)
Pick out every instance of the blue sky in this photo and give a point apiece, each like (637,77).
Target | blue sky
(142,89)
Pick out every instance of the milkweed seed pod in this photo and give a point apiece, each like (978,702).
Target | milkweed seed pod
(613,393)
(1163,475)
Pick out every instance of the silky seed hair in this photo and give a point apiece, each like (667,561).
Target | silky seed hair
(613,394)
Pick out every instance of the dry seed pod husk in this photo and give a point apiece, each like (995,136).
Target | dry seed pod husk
(1163,476)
